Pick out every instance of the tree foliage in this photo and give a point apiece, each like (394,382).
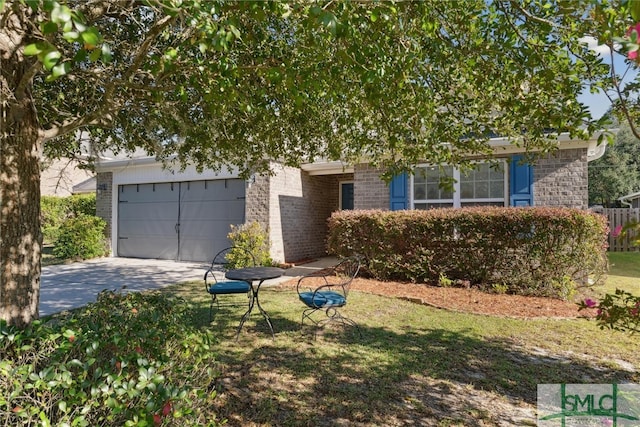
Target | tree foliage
(220,83)
(225,83)
(617,173)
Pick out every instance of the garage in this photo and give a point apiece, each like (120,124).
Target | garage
(183,221)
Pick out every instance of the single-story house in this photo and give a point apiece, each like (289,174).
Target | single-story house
(156,213)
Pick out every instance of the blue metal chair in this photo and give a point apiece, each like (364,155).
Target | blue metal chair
(328,291)
(216,284)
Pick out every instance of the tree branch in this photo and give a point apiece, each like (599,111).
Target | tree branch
(142,51)
(516,5)
(71,125)
(108,107)
(27,78)
(622,100)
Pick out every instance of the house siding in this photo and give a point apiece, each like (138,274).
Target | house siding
(294,206)
(60,176)
(370,192)
(561,179)
(104,200)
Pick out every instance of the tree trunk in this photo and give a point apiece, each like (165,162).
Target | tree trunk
(20,153)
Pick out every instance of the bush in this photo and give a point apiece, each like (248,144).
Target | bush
(79,204)
(619,311)
(527,251)
(53,213)
(81,237)
(55,210)
(126,360)
(251,237)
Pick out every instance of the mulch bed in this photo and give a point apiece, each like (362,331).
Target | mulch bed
(471,300)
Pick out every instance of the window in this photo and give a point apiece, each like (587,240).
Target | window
(484,185)
(346,195)
(427,191)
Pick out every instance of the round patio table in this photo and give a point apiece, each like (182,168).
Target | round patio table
(251,275)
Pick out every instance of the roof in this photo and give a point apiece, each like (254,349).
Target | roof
(500,145)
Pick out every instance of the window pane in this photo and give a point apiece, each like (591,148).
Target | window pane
(466,190)
(446,194)
(482,190)
(482,171)
(419,191)
(496,174)
(497,189)
(433,174)
(433,191)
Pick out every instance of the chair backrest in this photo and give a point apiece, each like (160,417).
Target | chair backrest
(226,259)
(347,270)
(233,257)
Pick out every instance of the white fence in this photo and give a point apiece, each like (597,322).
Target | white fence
(616,217)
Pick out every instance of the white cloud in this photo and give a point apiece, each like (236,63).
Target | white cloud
(592,43)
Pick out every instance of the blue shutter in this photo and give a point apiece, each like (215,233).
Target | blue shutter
(521,182)
(398,192)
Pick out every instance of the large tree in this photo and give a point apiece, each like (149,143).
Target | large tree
(220,83)
(617,173)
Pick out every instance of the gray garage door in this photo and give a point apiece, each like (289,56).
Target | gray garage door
(186,221)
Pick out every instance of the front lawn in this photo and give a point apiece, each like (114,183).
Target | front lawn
(414,364)
(624,272)
(155,359)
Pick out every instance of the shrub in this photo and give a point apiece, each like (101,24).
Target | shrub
(618,311)
(81,237)
(53,213)
(621,310)
(79,204)
(127,360)
(530,251)
(251,237)
(55,210)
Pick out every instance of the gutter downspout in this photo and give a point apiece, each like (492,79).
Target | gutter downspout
(624,202)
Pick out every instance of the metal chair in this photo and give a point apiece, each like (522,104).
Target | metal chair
(329,291)
(215,282)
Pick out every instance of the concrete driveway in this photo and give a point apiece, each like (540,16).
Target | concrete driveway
(68,286)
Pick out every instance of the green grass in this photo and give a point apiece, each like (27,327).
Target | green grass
(413,365)
(624,272)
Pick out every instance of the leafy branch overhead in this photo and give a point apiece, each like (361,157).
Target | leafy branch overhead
(238,83)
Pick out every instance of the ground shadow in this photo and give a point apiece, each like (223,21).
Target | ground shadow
(429,375)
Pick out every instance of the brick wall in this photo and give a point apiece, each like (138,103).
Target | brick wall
(257,201)
(295,207)
(370,192)
(104,197)
(561,179)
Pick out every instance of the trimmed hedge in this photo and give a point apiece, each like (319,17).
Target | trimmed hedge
(81,237)
(526,251)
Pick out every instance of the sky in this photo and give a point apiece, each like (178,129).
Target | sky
(599,103)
